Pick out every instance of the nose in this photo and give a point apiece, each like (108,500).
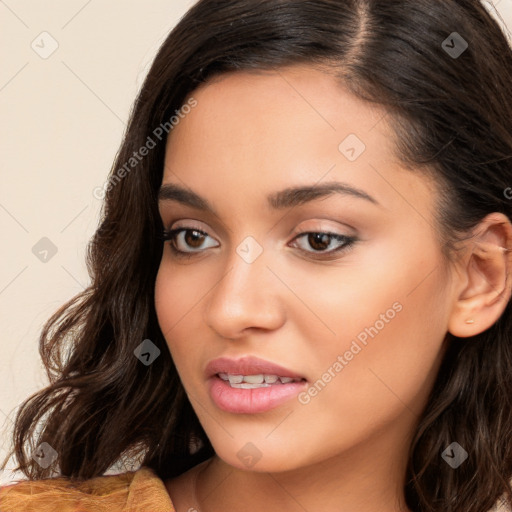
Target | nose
(248,295)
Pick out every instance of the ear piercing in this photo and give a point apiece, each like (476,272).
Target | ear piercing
(470,321)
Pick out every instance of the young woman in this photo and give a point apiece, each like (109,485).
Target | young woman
(302,277)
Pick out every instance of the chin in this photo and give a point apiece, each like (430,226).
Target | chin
(258,460)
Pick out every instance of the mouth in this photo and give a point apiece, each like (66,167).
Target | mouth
(251,385)
(256,381)
(250,370)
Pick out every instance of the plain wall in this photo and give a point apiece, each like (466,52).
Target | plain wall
(62,119)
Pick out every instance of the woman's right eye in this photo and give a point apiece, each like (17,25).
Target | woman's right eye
(192,238)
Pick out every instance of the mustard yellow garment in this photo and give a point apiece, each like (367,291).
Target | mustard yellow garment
(133,491)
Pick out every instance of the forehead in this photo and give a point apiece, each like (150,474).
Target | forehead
(292,97)
(257,132)
(284,115)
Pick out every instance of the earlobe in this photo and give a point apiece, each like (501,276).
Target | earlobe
(485,276)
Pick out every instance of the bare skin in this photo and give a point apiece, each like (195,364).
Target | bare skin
(345,447)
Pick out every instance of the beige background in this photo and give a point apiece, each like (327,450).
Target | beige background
(62,119)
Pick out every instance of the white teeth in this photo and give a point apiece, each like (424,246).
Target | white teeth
(235,379)
(246,385)
(255,381)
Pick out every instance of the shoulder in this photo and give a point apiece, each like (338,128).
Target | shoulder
(133,490)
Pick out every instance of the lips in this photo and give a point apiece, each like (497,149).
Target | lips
(248,366)
(275,384)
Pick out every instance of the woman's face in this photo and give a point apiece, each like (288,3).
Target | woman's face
(360,314)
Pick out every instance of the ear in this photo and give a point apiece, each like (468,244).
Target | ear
(485,282)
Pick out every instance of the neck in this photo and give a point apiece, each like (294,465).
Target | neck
(360,480)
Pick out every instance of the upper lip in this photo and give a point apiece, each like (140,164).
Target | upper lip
(248,365)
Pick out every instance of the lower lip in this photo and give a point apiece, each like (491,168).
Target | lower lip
(251,401)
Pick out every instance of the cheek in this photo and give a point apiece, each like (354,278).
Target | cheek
(178,292)
(386,318)
(387,348)
(175,300)
(166,302)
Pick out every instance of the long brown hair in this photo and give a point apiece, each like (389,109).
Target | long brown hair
(452,115)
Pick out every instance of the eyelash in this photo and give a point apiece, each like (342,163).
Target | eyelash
(171,235)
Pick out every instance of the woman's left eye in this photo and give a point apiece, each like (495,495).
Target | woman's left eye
(320,242)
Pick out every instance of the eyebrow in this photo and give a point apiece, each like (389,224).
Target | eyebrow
(283,199)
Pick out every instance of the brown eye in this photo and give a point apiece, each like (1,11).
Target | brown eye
(319,242)
(192,242)
(194,238)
